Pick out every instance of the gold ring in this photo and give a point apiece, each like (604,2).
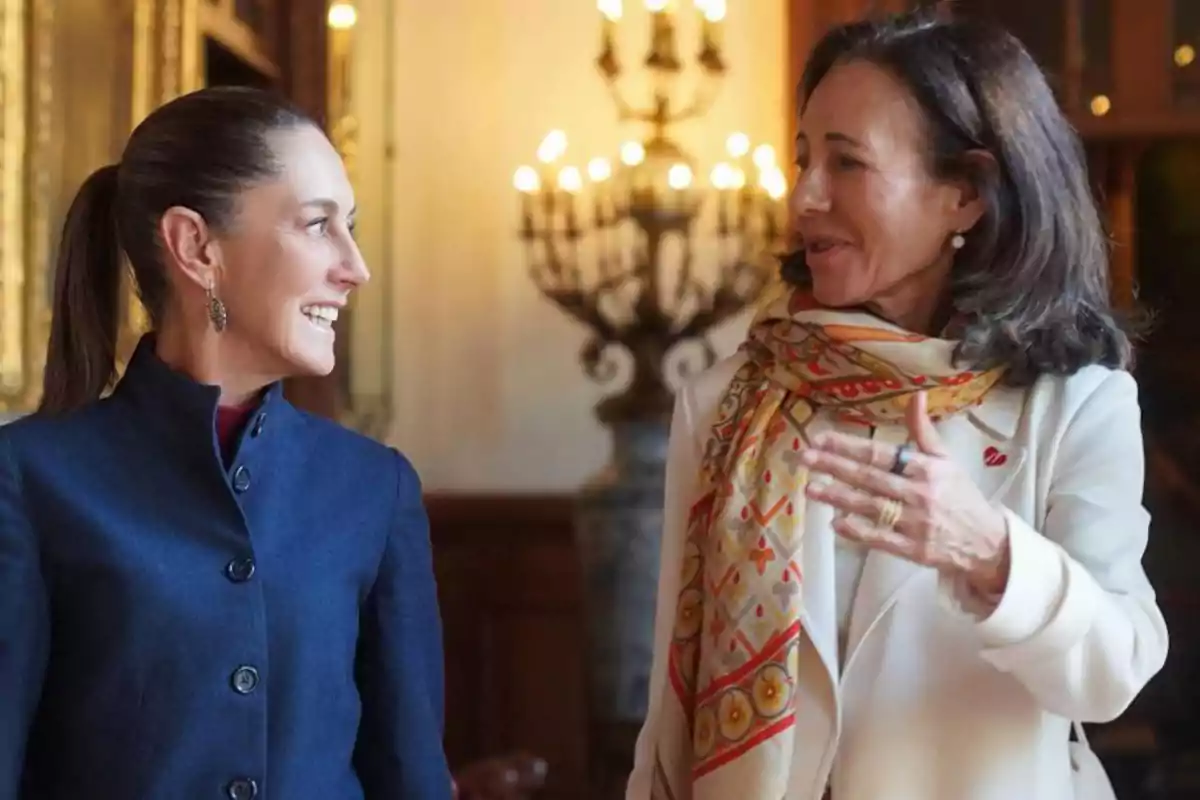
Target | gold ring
(889,515)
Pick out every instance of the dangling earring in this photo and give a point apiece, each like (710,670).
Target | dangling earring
(958,241)
(216,309)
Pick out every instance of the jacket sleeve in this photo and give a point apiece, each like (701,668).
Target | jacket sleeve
(683,465)
(24,625)
(399,753)
(1078,623)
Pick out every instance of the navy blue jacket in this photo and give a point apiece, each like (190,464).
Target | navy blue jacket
(173,629)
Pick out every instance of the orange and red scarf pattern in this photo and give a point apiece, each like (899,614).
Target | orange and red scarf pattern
(733,663)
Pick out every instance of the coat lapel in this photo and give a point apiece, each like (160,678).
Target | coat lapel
(983,442)
(819,616)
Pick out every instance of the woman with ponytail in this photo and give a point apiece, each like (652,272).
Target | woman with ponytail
(204,592)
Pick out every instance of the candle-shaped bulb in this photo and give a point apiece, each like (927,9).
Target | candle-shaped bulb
(722,176)
(341,16)
(552,147)
(679,176)
(713,10)
(599,169)
(569,180)
(738,145)
(526,180)
(632,154)
(764,157)
(610,9)
(738,179)
(773,183)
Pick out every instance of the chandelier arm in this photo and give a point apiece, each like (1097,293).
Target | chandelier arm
(704,95)
(725,302)
(678,367)
(614,287)
(544,271)
(598,359)
(706,318)
(585,308)
(626,112)
(686,275)
(555,272)
(689,289)
(542,276)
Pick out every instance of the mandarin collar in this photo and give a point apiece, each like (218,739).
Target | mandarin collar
(176,405)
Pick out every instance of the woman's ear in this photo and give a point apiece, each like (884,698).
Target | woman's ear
(978,169)
(189,245)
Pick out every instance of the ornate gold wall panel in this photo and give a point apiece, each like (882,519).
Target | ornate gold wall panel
(75,76)
(13,350)
(166,53)
(165,63)
(28,159)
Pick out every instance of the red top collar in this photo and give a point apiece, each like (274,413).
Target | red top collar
(231,420)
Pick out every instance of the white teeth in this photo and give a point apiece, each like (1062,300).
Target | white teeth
(321,315)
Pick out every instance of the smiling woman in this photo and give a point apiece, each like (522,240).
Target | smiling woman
(255,239)
(192,541)
(950,205)
(903,527)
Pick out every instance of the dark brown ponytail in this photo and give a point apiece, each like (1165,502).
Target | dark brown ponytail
(82,355)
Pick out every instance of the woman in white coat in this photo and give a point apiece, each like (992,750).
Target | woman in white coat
(903,538)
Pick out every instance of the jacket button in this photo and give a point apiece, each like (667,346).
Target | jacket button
(241,479)
(242,789)
(257,429)
(244,680)
(240,570)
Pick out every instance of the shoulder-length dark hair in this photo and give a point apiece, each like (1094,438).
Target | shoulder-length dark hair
(1032,282)
(198,151)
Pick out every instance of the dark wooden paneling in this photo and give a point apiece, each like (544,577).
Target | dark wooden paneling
(303,54)
(509,587)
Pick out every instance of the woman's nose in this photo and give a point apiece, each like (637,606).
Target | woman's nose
(809,193)
(353,271)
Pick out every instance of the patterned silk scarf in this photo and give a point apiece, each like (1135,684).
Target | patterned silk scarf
(729,715)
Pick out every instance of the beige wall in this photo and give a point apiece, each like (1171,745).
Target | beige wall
(487,387)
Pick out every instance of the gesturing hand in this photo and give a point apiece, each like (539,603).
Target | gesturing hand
(938,517)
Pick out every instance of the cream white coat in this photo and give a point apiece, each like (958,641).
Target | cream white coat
(933,702)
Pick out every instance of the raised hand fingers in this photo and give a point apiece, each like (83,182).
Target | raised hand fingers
(863,475)
(848,499)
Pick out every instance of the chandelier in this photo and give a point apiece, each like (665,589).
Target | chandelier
(615,245)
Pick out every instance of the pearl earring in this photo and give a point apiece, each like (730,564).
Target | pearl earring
(958,241)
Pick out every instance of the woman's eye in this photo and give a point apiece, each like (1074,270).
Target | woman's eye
(846,162)
(319,226)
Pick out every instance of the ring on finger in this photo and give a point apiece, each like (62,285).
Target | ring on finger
(902,459)
(889,514)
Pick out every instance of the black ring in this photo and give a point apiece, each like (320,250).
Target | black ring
(903,456)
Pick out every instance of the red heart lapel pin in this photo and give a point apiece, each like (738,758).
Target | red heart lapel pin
(994,458)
